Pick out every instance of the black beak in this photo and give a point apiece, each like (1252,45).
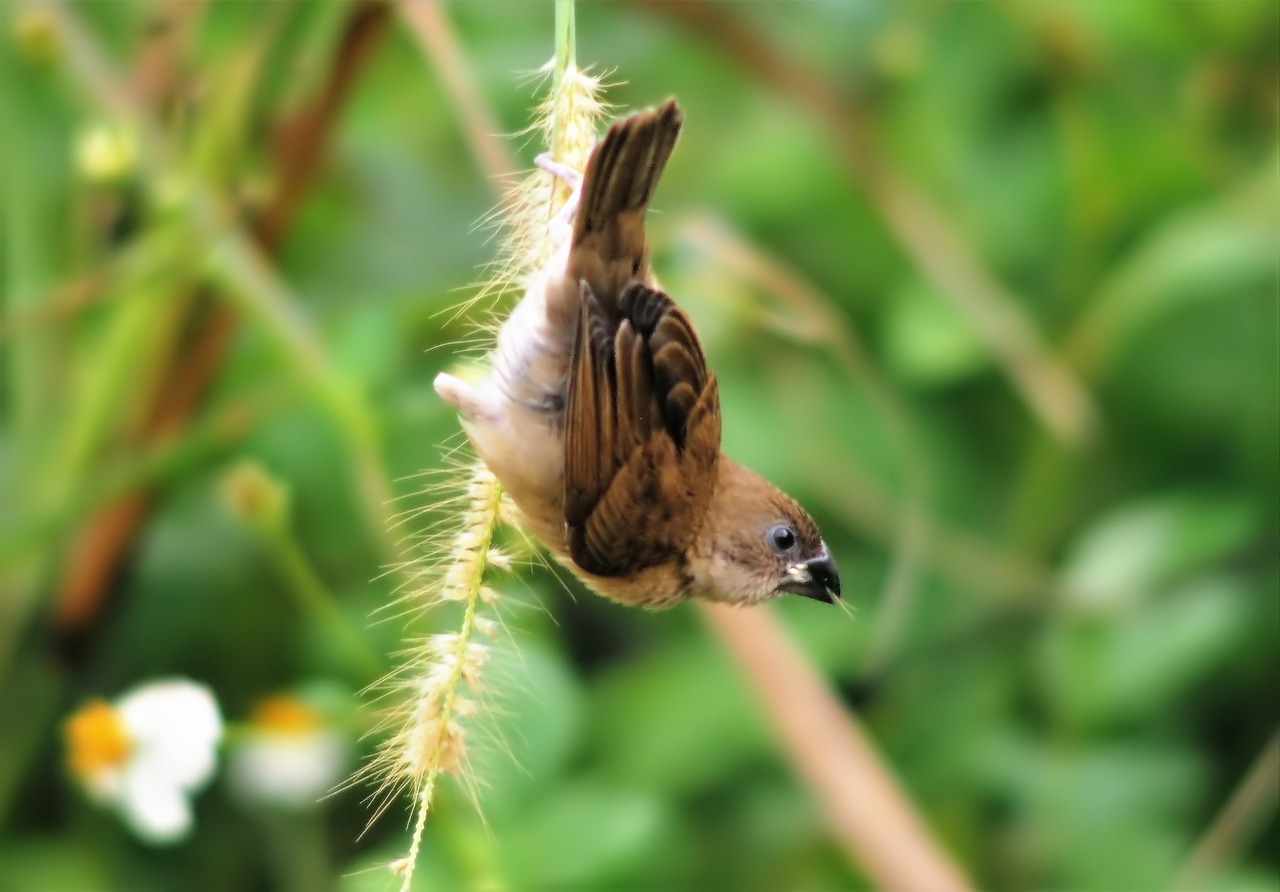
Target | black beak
(816,578)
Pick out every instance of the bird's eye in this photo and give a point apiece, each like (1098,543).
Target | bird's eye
(782,539)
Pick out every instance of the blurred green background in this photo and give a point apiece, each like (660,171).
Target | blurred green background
(990,287)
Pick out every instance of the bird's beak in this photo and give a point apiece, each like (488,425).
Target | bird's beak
(816,578)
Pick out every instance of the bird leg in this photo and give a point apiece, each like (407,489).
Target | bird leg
(560,225)
(471,402)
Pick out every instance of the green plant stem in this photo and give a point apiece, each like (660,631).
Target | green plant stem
(297,848)
(235,264)
(20,568)
(30,364)
(135,336)
(314,598)
(198,444)
(566,38)
(30,703)
(26,264)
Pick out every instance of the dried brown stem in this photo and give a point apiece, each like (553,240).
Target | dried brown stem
(1256,799)
(63,302)
(810,318)
(303,138)
(157,75)
(1049,388)
(866,810)
(431,27)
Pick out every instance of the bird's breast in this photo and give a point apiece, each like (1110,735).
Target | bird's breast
(520,432)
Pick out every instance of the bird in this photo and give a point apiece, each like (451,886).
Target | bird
(601,419)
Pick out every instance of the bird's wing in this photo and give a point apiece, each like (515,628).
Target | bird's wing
(609,248)
(642,435)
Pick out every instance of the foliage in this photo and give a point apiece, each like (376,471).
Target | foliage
(1051,485)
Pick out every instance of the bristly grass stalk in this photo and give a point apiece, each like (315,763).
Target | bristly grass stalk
(438,686)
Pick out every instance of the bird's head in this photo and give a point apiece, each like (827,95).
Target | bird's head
(757,543)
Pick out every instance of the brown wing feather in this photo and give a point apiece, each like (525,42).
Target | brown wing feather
(642,435)
(589,428)
(609,248)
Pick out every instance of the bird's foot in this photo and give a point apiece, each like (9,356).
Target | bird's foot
(561,224)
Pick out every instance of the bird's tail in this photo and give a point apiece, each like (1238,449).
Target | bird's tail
(609,249)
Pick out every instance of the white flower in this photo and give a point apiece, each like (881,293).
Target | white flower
(288,756)
(147,753)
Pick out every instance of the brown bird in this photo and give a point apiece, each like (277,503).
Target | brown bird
(602,421)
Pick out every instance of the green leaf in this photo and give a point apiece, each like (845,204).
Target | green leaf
(583,832)
(1134,549)
(1132,668)
(529,724)
(927,341)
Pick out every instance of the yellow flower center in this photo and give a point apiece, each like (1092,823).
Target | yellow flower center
(284,715)
(96,739)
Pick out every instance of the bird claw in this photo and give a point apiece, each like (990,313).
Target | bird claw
(560,225)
